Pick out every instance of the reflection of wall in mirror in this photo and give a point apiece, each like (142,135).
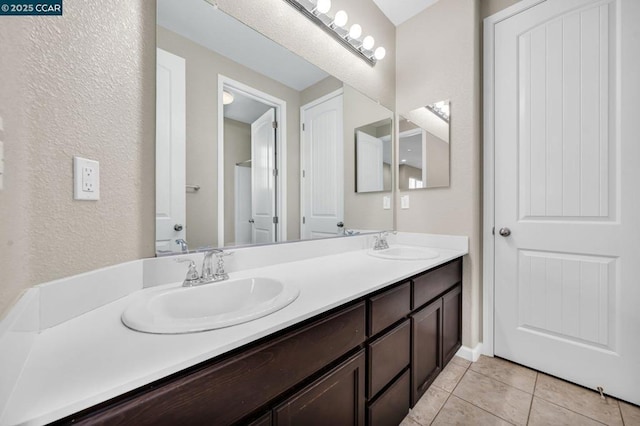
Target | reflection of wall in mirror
(202,68)
(237,148)
(361,211)
(437,162)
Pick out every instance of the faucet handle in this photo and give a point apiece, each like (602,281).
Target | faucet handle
(192,278)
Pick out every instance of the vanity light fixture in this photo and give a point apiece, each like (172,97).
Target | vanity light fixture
(441,109)
(227,97)
(317,11)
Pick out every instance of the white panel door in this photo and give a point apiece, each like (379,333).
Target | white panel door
(566,170)
(170,151)
(369,163)
(322,168)
(263,185)
(242,206)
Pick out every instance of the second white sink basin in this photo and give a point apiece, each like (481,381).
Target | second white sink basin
(405,253)
(207,307)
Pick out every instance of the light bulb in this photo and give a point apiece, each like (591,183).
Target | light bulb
(227,97)
(355,31)
(368,42)
(380,52)
(323,6)
(341,18)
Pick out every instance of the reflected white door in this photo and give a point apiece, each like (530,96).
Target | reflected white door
(370,162)
(242,206)
(263,185)
(322,168)
(566,170)
(170,151)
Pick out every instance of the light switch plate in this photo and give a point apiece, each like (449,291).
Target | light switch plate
(86,179)
(386,202)
(404,202)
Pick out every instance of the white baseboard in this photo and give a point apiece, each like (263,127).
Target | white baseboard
(470,354)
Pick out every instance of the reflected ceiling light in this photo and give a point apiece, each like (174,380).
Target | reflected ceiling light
(404,160)
(227,98)
(316,11)
(341,18)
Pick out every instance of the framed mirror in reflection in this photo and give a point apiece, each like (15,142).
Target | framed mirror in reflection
(254,144)
(423,147)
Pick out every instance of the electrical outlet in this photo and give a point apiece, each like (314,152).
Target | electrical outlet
(86,176)
(404,202)
(386,202)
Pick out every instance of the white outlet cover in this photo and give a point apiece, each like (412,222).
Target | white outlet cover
(386,202)
(404,202)
(92,181)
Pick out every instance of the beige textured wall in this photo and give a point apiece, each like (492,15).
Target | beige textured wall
(237,144)
(437,161)
(321,88)
(202,69)
(80,84)
(361,210)
(431,67)
(405,172)
(282,23)
(489,7)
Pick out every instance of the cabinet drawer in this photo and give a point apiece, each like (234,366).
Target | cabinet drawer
(387,357)
(393,404)
(389,307)
(434,283)
(334,399)
(226,392)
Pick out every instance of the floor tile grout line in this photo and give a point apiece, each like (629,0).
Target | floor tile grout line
(505,383)
(621,415)
(535,383)
(574,411)
(439,410)
(483,409)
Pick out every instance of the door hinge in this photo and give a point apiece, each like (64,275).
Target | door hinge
(303,175)
(275,219)
(304,220)
(493,231)
(303,127)
(275,124)
(275,172)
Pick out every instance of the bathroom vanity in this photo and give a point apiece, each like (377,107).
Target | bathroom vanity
(363,363)
(360,345)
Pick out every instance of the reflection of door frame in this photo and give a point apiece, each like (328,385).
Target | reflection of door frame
(281,150)
(412,132)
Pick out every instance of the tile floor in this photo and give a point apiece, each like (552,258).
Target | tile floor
(493,391)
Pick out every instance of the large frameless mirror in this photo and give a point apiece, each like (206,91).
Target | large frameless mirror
(254,144)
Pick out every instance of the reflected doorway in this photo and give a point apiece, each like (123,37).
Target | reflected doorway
(250,168)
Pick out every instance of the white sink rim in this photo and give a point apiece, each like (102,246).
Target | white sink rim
(145,314)
(395,252)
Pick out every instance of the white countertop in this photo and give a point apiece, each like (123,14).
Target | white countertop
(94,357)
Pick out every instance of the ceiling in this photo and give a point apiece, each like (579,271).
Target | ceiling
(399,11)
(206,25)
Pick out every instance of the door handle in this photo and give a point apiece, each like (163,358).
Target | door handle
(505,232)
(177,227)
(251,221)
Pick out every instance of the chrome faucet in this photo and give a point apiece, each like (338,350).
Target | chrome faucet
(381,241)
(184,247)
(208,275)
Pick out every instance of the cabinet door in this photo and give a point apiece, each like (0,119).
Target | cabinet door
(426,348)
(337,398)
(451,323)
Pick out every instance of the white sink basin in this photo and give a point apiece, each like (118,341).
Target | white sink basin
(207,307)
(405,253)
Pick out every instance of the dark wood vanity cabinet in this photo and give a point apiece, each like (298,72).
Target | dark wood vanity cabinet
(337,398)
(364,363)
